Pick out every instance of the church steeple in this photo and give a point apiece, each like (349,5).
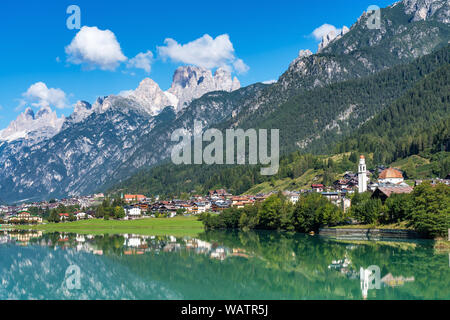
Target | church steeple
(362,175)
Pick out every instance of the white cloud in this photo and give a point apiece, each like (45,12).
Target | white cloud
(125,93)
(95,48)
(240,66)
(270,81)
(142,61)
(323,30)
(204,52)
(39,95)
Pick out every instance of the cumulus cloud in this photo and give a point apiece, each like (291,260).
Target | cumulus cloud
(39,95)
(270,81)
(205,52)
(240,66)
(95,48)
(125,93)
(323,30)
(142,61)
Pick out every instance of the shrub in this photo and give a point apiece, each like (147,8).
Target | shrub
(430,209)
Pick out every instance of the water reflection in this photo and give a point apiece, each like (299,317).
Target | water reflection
(221,265)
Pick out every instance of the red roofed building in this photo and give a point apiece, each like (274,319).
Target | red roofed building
(63,216)
(134,198)
(391,175)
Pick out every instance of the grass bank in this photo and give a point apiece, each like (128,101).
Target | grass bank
(177,226)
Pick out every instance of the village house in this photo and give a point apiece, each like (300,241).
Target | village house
(262,197)
(433,182)
(198,208)
(219,193)
(241,201)
(63,216)
(220,205)
(25,216)
(317,187)
(129,198)
(385,191)
(291,196)
(83,216)
(133,213)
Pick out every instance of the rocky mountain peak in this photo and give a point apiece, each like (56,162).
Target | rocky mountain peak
(44,124)
(43,112)
(332,36)
(27,115)
(301,55)
(81,111)
(150,96)
(190,82)
(426,9)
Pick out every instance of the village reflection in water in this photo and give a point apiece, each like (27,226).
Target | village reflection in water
(337,269)
(126,244)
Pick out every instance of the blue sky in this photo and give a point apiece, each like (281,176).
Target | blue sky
(265,35)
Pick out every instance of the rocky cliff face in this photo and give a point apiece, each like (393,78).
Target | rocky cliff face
(102,143)
(331,36)
(191,83)
(438,10)
(33,127)
(150,97)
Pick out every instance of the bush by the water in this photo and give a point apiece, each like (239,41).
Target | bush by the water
(426,209)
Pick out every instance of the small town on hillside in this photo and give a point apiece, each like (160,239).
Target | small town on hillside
(136,206)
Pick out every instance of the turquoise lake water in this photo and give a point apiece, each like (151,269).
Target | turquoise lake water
(218,266)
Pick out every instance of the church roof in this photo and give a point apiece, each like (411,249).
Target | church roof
(390,173)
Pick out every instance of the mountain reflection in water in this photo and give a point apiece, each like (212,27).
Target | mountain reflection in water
(218,265)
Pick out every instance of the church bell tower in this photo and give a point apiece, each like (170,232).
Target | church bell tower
(362,175)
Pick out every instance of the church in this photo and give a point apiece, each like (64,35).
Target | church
(388,177)
(391,175)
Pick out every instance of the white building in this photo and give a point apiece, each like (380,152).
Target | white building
(291,196)
(362,175)
(134,213)
(391,175)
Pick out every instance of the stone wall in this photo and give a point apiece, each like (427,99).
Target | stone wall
(369,234)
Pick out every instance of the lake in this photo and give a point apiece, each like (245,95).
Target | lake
(217,265)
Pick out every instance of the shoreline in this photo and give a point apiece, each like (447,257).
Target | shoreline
(371,234)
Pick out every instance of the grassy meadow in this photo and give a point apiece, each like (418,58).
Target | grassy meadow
(177,226)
